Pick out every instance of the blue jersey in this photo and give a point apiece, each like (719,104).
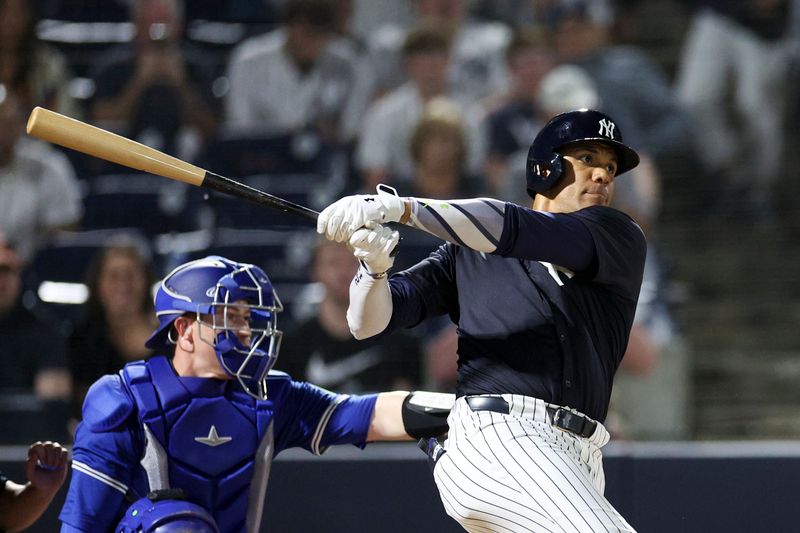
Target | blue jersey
(146,429)
(547,316)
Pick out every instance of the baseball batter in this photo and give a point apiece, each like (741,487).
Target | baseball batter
(204,419)
(543,298)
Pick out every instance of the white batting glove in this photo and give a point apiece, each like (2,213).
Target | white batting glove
(373,245)
(342,218)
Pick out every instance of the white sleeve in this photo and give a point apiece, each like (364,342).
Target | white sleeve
(370,305)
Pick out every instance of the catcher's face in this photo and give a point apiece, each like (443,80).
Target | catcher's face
(589,170)
(236,319)
(194,354)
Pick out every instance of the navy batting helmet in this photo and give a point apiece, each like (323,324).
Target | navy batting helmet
(546,165)
(212,290)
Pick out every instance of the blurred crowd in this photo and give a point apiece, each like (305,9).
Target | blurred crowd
(312,99)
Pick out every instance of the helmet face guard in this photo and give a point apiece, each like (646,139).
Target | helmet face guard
(545,165)
(237,303)
(243,318)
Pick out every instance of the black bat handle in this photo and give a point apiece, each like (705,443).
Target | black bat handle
(240,190)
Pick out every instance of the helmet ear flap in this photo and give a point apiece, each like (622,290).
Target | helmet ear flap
(542,175)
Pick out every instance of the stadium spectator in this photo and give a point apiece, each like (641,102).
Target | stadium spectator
(36,73)
(22,505)
(568,87)
(34,356)
(733,81)
(477,68)
(118,315)
(630,85)
(652,390)
(301,76)
(156,89)
(39,193)
(512,117)
(383,154)
(321,349)
(440,152)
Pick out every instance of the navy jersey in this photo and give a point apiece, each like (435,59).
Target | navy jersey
(525,324)
(216,443)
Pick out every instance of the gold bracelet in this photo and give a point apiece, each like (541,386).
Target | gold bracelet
(406,216)
(379,275)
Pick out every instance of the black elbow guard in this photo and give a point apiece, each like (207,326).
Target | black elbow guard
(425,413)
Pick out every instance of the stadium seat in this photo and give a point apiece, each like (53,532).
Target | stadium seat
(249,11)
(282,254)
(240,155)
(24,419)
(151,204)
(84,33)
(84,10)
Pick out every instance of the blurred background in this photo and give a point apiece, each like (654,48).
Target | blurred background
(313,99)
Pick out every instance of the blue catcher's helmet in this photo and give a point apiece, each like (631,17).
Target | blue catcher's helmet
(237,302)
(166,512)
(546,165)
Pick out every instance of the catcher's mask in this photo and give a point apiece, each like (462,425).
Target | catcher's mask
(166,511)
(237,302)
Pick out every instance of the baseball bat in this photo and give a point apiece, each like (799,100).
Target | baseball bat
(65,131)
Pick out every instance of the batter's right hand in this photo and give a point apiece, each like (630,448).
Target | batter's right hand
(339,221)
(373,246)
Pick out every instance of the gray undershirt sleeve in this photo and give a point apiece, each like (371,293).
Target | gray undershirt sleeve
(475,223)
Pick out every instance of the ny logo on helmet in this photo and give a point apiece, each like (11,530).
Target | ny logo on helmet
(607,128)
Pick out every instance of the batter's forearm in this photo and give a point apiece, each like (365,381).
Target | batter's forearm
(475,223)
(370,305)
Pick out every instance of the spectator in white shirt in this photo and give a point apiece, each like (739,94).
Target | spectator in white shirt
(298,77)
(39,193)
(383,153)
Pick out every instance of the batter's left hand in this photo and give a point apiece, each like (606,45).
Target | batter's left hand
(374,245)
(342,218)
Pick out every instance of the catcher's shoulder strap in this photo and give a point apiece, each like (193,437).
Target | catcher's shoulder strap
(155,389)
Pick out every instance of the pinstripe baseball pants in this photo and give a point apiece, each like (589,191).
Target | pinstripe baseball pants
(517,472)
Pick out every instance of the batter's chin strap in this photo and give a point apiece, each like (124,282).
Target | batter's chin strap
(425,413)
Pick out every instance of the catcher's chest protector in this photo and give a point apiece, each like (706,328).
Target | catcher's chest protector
(215,446)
